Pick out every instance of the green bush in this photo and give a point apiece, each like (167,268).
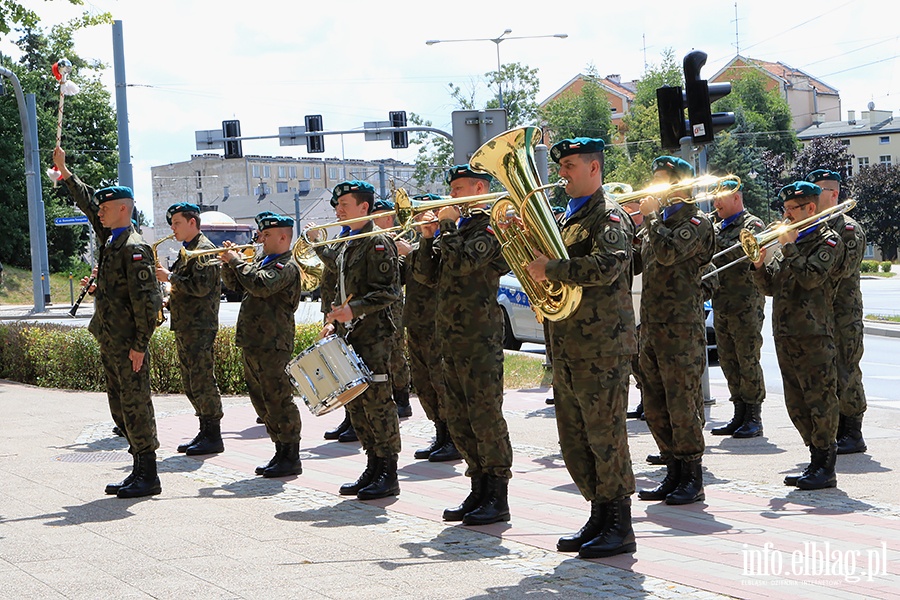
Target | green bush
(868,266)
(885,267)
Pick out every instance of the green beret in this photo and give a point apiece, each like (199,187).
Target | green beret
(458,171)
(424,197)
(268,220)
(349,187)
(799,189)
(580,145)
(823,174)
(179,208)
(383,205)
(116,192)
(676,166)
(733,185)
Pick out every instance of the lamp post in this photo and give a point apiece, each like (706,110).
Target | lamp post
(500,38)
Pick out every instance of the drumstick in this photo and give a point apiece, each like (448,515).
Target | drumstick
(344,304)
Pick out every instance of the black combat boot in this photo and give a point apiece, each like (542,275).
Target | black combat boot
(333,434)
(752,425)
(591,529)
(113,488)
(145,482)
(441,435)
(349,435)
(494,505)
(183,447)
(118,431)
(279,448)
(740,409)
(401,399)
(852,440)
(373,467)
(821,473)
(288,463)
(792,480)
(446,452)
(668,484)
(690,484)
(617,536)
(470,503)
(210,441)
(385,482)
(655,459)
(637,413)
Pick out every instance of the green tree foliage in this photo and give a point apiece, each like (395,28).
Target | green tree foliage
(822,153)
(728,156)
(877,190)
(13,13)
(519,85)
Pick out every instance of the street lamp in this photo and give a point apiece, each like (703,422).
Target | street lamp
(500,38)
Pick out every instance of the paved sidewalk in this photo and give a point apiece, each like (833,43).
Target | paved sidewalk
(218,531)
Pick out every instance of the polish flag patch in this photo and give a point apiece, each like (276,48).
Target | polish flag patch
(831,242)
(379,247)
(695,220)
(849,227)
(137,257)
(279,266)
(489,229)
(614,218)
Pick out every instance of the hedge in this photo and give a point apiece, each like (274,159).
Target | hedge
(61,356)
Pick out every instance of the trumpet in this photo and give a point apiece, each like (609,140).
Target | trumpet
(206,258)
(753,244)
(160,316)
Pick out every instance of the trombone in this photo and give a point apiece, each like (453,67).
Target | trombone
(753,244)
(673,193)
(208,257)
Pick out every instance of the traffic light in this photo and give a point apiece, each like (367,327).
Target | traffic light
(399,139)
(314,143)
(700,95)
(232,129)
(670,101)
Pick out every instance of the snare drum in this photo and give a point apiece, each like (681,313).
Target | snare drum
(328,375)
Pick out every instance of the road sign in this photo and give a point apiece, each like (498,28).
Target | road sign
(209,139)
(472,128)
(70,221)
(292,136)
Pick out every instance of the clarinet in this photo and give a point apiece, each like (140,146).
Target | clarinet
(81,296)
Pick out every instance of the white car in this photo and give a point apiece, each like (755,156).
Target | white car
(520,324)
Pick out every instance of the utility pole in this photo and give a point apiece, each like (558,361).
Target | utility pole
(126,176)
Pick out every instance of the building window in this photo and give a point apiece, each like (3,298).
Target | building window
(267,171)
(885,159)
(884,139)
(200,198)
(332,172)
(845,142)
(281,187)
(317,172)
(199,180)
(305,172)
(862,161)
(282,172)
(293,172)
(255,171)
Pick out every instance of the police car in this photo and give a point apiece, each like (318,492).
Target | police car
(520,323)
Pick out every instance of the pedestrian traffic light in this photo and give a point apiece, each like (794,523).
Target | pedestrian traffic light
(232,129)
(671,101)
(700,95)
(314,143)
(399,139)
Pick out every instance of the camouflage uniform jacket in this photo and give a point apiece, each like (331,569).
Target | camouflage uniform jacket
(599,241)
(368,270)
(196,291)
(466,272)
(420,308)
(673,255)
(848,305)
(271,297)
(737,292)
(127,300)
(802,279)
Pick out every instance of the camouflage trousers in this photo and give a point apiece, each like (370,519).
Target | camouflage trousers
(739,342)
(848,340)
(399,367)
(271,393)
(195,357)
(373,413)
(473,376)
(128,394)
(425,371)
(810,386)
(591,400)
(636,364)
(673,357)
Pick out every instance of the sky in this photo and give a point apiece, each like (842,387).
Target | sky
(190,64)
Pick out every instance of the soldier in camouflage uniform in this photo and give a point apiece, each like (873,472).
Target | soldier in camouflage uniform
(739,316)
(848,318)
(127,303)
(194,306)
(678,241)
(465,275)
(592,350)
(265,333)
(368,285)
(802,279)
(399,368)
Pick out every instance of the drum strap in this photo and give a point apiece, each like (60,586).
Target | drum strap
(379,378)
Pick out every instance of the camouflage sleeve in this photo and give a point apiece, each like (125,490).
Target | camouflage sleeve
(259,282)
(814,270)
(854,248)
(463,257)
(83,195)
(764,276)
(383,278)
(426,263)
(710,285)
(609,257)
(197,282)
(673,246)
(143,291)
(230,279)
(328,255)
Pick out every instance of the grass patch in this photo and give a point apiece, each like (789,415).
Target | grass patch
(886,318)
(18,288)
(524,371)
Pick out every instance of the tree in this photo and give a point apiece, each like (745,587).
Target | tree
(877,190)
(728,156)
(519,85)
(822,153)
(12,13)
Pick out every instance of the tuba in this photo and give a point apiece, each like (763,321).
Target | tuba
(509,157)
